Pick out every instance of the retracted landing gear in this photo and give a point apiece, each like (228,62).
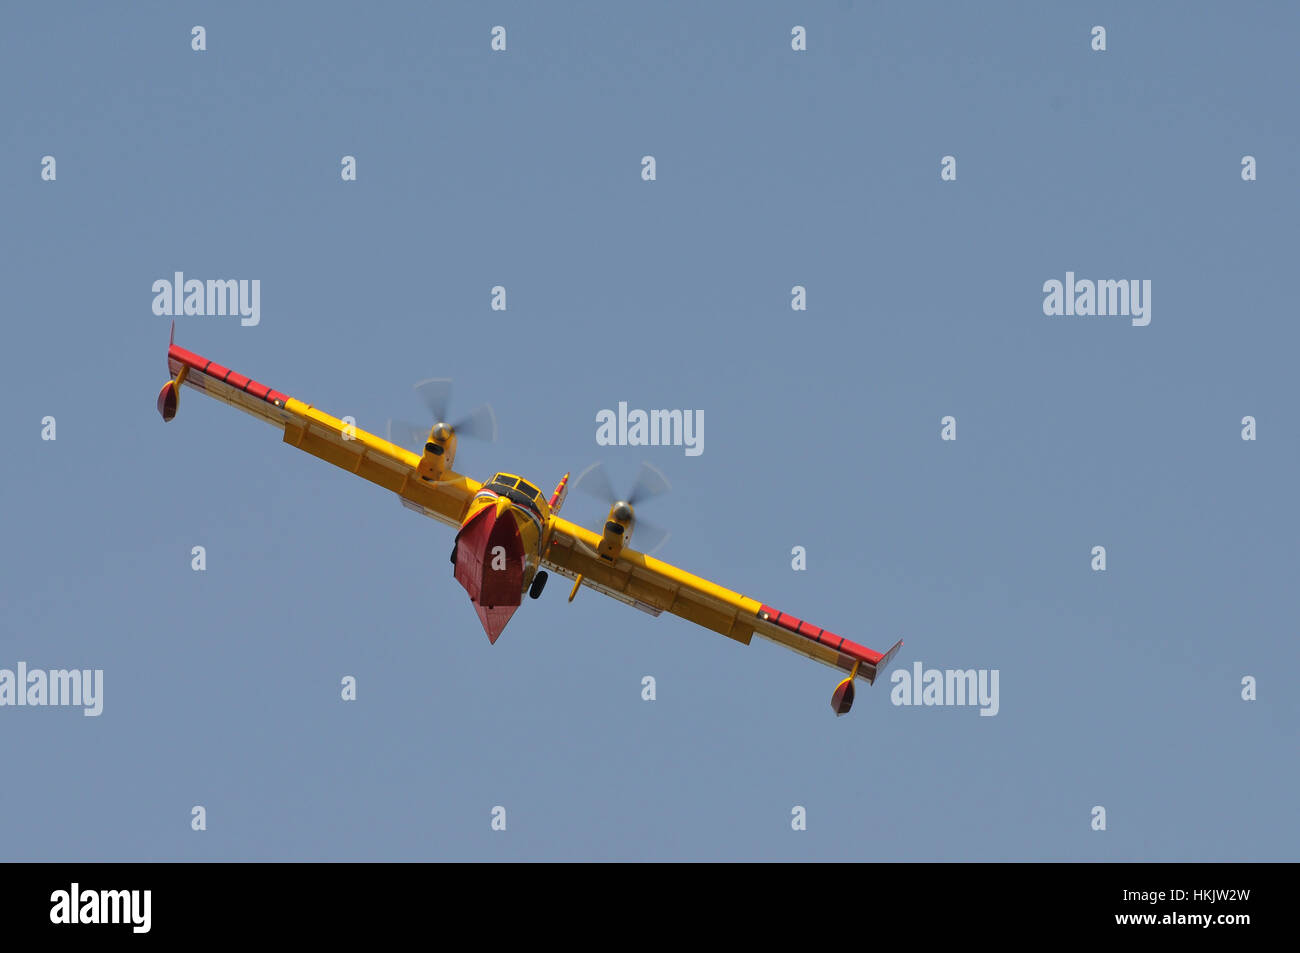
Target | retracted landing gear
(539,583)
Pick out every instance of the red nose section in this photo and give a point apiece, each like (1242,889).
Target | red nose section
(494,619)
(490,565)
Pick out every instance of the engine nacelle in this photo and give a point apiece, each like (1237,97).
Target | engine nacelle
(439,454)
(618,530)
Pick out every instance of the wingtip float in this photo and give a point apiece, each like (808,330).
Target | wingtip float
(509,535)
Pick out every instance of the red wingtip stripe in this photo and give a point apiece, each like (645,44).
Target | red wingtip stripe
(179,356)
(856,652)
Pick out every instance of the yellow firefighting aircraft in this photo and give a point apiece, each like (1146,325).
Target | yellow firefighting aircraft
(509,534)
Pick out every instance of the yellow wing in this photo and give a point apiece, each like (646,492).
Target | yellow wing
(321,435)
(654,586)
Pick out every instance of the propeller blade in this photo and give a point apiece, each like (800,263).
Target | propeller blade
(594,481)
(648,537)
(408,435)
(649,484)
(436,395)
(480,423)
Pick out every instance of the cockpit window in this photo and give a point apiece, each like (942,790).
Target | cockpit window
(517,491)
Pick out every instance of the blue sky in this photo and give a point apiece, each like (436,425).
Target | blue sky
(774,168)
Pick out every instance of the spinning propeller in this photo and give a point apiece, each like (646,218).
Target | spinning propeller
(479,424)
(595,482)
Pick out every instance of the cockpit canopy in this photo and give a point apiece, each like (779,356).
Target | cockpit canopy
(518,490)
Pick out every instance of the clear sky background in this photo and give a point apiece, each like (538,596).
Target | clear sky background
(822,429)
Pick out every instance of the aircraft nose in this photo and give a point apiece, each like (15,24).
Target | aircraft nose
(503,504)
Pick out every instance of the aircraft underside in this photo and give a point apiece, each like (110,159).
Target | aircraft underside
(490,564)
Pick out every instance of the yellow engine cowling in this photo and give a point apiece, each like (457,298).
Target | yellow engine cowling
(439,454)
(618,530)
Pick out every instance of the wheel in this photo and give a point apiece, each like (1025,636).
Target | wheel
(539,583)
